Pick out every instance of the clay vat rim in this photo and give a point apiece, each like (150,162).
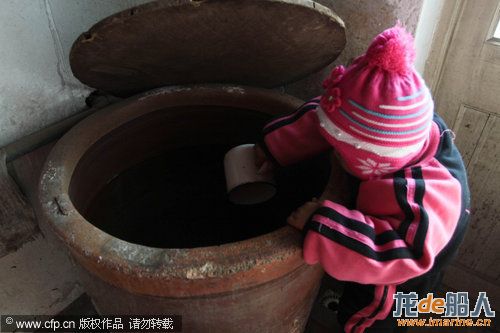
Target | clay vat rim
(156,271)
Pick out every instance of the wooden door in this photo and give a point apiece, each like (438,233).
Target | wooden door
(467,96)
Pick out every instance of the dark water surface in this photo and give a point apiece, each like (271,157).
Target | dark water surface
(178,200)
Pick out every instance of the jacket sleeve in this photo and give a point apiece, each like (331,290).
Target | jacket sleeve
(294,137)
(391,248)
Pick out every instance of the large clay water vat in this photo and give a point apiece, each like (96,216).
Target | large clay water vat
(257,283)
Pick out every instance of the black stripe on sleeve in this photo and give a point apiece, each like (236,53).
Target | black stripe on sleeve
(361,227)
(363,249)
(381,304)
(401,191)
(418,243)
(298,114)
(386,237)
(375,312)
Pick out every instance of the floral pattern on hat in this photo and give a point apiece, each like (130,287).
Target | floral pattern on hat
(331,100)
(369,167)
(334,78)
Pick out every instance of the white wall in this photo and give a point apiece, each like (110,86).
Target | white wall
(36,89)
(36,84)
(426,28)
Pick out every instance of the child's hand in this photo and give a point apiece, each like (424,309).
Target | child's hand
(261,161)
(300,216)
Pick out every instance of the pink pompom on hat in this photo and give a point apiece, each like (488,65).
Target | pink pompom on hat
(377,113)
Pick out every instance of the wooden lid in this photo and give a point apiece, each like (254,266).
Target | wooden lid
(262,43)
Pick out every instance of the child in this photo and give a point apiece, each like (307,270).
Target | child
(412,203)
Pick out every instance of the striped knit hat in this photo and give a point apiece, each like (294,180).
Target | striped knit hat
(377,113)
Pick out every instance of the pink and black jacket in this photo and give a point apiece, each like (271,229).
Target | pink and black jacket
(406,224)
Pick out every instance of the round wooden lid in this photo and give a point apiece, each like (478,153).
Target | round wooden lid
(262,43)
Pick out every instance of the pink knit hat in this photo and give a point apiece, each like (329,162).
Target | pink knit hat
(377,113)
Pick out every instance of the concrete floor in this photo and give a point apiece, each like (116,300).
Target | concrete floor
(37,279)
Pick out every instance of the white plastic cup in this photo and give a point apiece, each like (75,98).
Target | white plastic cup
(245,186)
